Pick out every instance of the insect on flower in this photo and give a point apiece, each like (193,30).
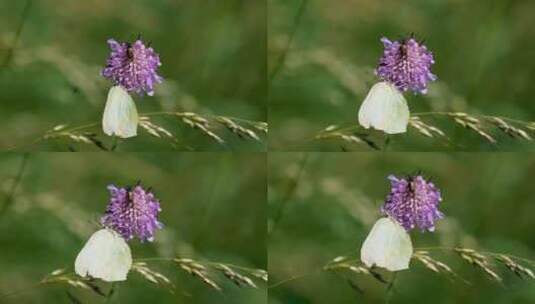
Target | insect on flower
(132,67)
(131,212)
(404,66)
(413,201)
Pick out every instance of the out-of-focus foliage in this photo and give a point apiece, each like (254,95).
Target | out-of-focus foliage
(322,55)
(213,209)
(322,206)
(213,62)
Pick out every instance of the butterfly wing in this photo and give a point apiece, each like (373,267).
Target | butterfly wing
(120,114)
(106,256)
(388,245)
(384,108)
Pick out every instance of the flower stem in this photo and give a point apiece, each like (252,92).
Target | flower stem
(387,142)
(112,292)
(390,288)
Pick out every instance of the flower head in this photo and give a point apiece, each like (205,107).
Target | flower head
(132,212)
(406,64)
(132,66)
(413,201)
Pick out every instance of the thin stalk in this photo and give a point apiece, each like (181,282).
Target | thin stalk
(160,259)
(297,277)
(24,17)
(11,194)
(112,292)
(390,288)
(477,115)
(282,58)
(289,194)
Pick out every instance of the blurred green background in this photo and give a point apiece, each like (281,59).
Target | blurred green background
(213,57)
(322,205)
(321,57)
(213,208)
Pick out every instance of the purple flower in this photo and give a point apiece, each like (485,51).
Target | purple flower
(413,201)
(132,213)
(406,64)
(133,66)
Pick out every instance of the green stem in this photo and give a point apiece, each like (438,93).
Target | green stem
(114,143)
(297,277)
(390,288)
(387,142)
(289,194)
(112,292)
(10,196)
(11,49)
(282,58)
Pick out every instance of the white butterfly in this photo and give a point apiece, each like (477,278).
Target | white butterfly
(388,246)
(120,114)
(105,256)
(385,108)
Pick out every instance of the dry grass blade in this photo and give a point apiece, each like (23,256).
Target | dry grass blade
(345,137)
(154,129)
(59,276)
(200,123)
(345,264)
(434,265)
(239,276)
(478,260)
(530,126)
(427,261)
(95,140)
(261,274)
(206,125)
(197,270)
(261,126)
(424,128)
(482,125)
(515,267)
(509,129)
(152,275)
(235,128)
(345,134)
(61,131)
(235,277)
(349,267)
(472,123)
